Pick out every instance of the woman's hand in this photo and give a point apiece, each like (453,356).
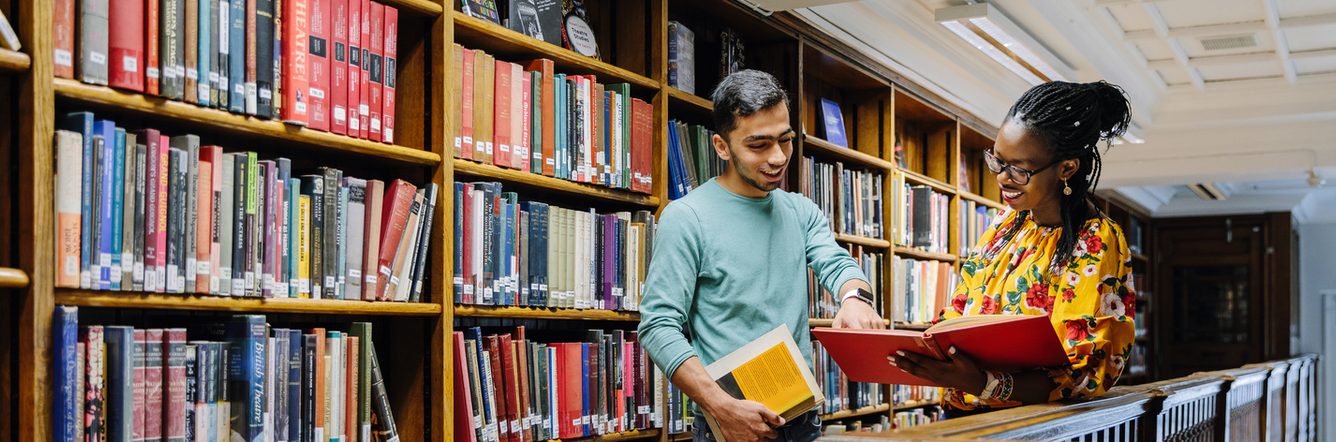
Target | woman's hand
(958,371)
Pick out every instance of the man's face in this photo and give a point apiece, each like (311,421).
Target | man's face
(758,149)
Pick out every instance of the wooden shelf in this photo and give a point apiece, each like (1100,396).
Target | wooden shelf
(700,103)
(865,411)
(920,254)
(13,278)
(89,298)
(920,179)
(675,437)
(845,154)
(981,200)
(14,61)
(158,107)
(485,311)
(911,326)
(466,167)
(424,7)
(914,404)
(863,241)
(475,33)
(627,435)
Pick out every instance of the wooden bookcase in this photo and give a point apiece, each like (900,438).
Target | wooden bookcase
(942,150)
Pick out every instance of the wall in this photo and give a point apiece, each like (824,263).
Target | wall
(1317,272)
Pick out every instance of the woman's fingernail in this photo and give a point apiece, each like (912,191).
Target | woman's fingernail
(900,352)
(953,350)
(892,361)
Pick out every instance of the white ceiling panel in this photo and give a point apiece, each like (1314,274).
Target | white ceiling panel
(1199,13)
(1175,76)
(1320,65)
(1131,17)
(1295,8)
(1311,37)
(1239,71)
(1155,49)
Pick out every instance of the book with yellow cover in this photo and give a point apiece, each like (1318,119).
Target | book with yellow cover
(771,371)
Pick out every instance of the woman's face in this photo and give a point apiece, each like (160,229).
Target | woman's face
(1021,152)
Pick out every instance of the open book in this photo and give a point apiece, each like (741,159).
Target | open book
(996,342)
(769,370)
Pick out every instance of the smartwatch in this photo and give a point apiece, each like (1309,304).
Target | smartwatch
(859,293)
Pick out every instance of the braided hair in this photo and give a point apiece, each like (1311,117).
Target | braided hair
(1071,119)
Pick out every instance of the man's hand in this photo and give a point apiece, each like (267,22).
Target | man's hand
(855,313)
(745,421)
(958,371)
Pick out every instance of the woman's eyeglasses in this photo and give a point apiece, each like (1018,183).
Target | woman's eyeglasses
(1014,174)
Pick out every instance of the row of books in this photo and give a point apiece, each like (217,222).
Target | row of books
(691,158)
(142,211)
(510,388)
(677,418)
(924,215)
(842,393)
(526,116)
(851,199)
(916,417)
(975,219)
(921,289)
(528,253)
(328,65)
(249,382)
(681,57)
(824,304)
(882,424)
(904,394)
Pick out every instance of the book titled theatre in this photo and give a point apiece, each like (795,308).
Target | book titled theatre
(771,371)
(1031,343)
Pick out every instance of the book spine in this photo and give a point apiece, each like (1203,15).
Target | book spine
(93,22)
(241,176)
(246,336)
(63,38)
(217,39)
(264,58)
(294,221)
(466,106)
(385,429)
(389,72)
(95,384)
(227,224)
(314,187)
(522,159)
(269,269)
(253,226)
(364,90)
(398,289)
(375,203)
(338,75)
(356,226)
(126,44)
(330,231)
(67,371)
(423,241)
(174,396)
(236,56)
(354,70)
(190,359)
(116,190)
(203,226)
(293,365)
(394,219)
(223,49)
(376,72)
(190,50)
(318,63)
(304,245)
(69,174)
(295,78)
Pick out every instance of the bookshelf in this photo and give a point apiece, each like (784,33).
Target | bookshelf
(11,278)
(880,109)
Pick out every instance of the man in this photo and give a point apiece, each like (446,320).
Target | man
(730,264)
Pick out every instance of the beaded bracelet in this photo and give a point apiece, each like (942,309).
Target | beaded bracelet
(999,386)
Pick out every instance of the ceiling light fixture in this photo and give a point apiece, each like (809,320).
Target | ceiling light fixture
(991,32)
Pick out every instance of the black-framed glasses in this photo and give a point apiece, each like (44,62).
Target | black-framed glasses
(1015,174)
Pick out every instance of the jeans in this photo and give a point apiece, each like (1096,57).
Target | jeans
(805,428)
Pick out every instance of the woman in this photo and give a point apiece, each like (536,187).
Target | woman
(1053,253)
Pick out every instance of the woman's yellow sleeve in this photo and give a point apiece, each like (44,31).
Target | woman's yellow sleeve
(1094,314)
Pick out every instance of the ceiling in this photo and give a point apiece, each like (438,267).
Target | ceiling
(1241,93)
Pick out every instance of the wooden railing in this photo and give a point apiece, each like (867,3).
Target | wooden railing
(1273,402)
(13,278)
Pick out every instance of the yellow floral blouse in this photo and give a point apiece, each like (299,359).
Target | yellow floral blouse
(1090,303)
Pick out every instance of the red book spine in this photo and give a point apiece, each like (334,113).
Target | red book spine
(572,400)
(521,159)
(321,372)
(463,418)
(389,72)
(63,36)
(466,113)
(126,44)
(204,229)
(394,217)
(161,265)
(354,83)
(364,103)
(295,39)
(377,78)
(214,155)
(498,392)
(318,64)
(466,249)
(338,87)
(151,71)
(642,129)
(153,376)
(252,97)
(547,104)
(501,114)
(174,358)
(508,378)
(138,384)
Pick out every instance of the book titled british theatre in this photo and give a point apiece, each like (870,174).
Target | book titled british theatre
(769,370)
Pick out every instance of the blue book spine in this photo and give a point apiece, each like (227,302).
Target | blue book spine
(117,208)
(294,244)
(119,399)
(246,337)
(544,229)
(205,51)
(82,123)
(236,62)
(283,268)
(294,366)
(65,338)
(106,179)
(475,334)
(510,251)
(458,244)
(607,139)
(676,188)
(585,392)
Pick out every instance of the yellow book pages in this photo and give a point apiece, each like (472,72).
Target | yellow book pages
(772,378)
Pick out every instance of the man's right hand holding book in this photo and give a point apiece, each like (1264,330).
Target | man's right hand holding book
(739,420)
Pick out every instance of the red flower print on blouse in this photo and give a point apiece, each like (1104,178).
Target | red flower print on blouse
(958,303)
(1094,244)
(1130,301)
(1068,294)
(1077,330)
(988,307)
(1039,298)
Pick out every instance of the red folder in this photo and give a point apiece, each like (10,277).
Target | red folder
(996,342)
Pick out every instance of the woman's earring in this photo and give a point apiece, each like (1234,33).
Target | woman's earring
(1066,190)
